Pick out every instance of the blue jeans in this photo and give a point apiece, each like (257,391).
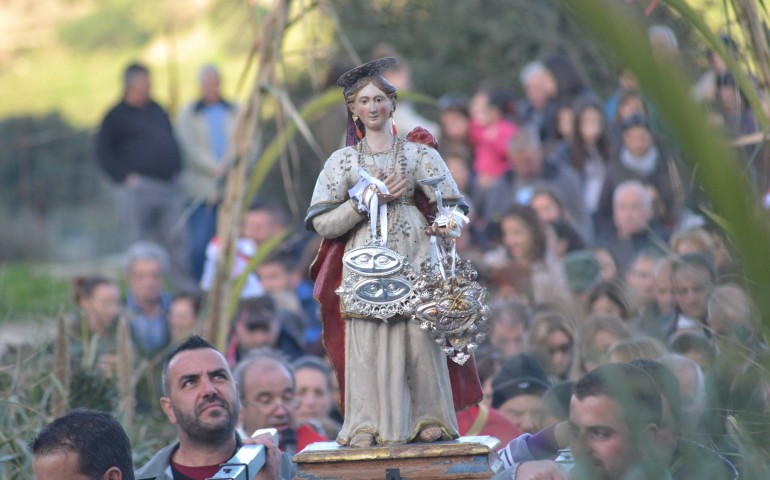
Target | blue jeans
(201,227)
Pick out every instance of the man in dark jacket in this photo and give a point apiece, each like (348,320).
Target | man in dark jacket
(137,150)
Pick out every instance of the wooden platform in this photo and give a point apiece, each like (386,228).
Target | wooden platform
(464,458)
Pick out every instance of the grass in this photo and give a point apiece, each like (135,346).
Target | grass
(28,391)
(26,293)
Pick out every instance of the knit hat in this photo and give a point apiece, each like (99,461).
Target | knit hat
(581,268)
(519,375)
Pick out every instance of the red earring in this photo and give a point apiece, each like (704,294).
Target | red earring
(395,130)
(358,131)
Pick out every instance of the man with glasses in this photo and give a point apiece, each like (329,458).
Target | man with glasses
(267,391)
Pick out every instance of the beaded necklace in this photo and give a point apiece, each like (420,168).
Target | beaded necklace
(367,157)
(365,153)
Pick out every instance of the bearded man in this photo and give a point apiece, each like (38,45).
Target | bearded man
(200,397)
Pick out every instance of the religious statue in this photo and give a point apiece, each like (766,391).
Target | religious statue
(402,314)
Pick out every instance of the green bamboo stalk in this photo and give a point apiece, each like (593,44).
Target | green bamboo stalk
(125,367)
(272,152)
(754,30)
(710,158)
(711,39)
(61,369)
(228,229)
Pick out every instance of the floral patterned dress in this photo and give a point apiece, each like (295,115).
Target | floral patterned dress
(395,374)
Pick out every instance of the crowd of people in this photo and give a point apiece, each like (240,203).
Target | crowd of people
(586,226)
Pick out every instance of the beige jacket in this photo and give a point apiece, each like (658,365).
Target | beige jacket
(200,167)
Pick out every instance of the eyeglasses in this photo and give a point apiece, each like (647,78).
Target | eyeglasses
(563,349)
(268,402)
(257,327)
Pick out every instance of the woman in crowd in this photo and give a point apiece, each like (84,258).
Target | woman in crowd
(524,242)
(313,386)
(490,132)
(608,264)
(629,103)
(641,157)
(597,334)
(454,121)
(94,331)
(552,342)
(591,150)
(548,206)
(608,298)
(557,147)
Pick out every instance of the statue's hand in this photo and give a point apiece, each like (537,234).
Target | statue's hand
(440,228)
(396,187)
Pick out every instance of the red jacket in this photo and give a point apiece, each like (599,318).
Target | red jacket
(496,425)
(306,435)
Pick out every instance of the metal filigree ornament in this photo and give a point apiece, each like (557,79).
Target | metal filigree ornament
(379,281)
(451,304)
(379,284)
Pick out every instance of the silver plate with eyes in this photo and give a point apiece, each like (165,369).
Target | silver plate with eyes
(373,261)
(379,284)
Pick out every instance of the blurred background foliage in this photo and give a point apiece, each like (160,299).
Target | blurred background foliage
(61,63)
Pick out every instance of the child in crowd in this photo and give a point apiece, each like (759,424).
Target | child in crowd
(490,132)
(591,151)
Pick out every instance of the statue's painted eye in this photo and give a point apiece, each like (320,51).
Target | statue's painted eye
(385,262)
(383,290)
(395,288)
(373,261)
(362,259)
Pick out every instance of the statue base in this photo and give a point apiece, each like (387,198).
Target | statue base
(464,458)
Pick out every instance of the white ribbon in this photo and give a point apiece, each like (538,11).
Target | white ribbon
(368,198)
(445,216)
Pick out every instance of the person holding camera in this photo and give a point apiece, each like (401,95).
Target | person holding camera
(200,397)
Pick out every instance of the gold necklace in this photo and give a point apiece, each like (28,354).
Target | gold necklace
(369,156)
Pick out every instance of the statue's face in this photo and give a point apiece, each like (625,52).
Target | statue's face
(373,107)
(382,290)
(377,262)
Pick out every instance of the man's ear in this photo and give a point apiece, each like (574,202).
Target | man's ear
(165,404)
(113,473)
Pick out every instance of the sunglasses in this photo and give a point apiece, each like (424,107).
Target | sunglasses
(563,349)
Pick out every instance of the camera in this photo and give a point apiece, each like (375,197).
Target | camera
(565,460)
(247,461)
